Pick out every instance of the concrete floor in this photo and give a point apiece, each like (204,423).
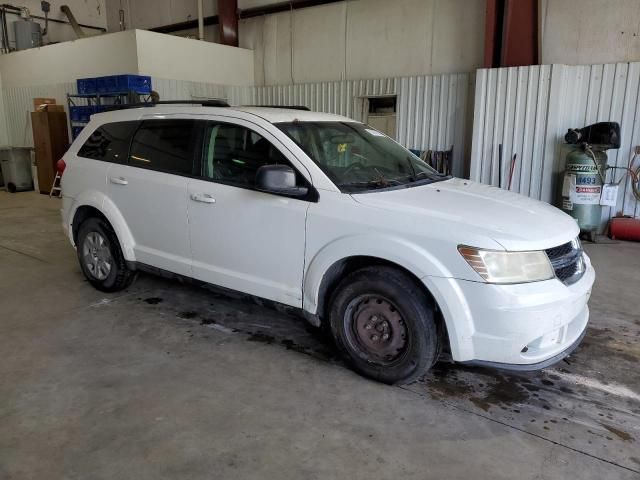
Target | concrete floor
(172,381)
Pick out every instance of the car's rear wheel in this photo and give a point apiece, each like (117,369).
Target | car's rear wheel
(101,258)
(384,325)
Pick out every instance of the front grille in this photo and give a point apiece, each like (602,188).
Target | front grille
(567,261)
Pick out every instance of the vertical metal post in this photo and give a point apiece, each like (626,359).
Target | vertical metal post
(511,33)
(228,22)
(493,33)
(520,38)
(200,20)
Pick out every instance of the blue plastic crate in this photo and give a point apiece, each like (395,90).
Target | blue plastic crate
(87,86)
(81,113)
(124,83)
(75,131)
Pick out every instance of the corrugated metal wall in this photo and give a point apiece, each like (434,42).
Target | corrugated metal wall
(342,98)
(431,110)
(182,89)
(529,109)
(18,103)
(432,114)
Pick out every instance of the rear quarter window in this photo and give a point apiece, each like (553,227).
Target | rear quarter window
(166,145)
(109,142)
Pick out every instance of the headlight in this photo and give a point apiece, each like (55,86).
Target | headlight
(508,267)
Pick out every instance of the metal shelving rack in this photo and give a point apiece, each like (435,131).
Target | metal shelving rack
(99,99)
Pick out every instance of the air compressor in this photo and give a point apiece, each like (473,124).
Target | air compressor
(585,171)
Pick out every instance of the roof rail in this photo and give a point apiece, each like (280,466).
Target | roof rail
(204,103)
(289,107)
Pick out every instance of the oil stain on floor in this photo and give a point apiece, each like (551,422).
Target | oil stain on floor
(570,404)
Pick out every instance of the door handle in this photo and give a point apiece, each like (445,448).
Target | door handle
(118,180)
(202,197)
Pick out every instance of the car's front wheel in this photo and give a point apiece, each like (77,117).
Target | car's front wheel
(384,325)
(101,258)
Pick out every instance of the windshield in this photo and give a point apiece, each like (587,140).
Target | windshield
(358,158)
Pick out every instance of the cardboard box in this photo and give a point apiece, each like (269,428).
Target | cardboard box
(42,101)
(47,107)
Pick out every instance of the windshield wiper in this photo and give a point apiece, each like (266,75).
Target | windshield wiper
(373,184)
(433,176)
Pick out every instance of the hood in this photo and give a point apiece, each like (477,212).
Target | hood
(514,221)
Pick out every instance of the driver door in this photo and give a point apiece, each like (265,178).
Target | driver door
(241,238)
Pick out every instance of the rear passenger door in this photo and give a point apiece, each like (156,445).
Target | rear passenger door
(151,190)
(241,238)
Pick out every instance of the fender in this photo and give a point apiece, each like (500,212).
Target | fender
(102,203)
(397,250)
(394,249)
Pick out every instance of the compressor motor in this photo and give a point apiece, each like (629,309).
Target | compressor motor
(585,170)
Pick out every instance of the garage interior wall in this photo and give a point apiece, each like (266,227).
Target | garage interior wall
(330,57)
(349,40)
(4,133)
(52,71)
(365,39)
(431,109)
(147,14)
(529,109)
(87,12)
(582,32)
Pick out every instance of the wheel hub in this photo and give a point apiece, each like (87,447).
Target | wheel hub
(379,328)
(96,255)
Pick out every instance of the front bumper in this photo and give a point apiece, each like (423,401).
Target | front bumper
(529,367)
(517,327)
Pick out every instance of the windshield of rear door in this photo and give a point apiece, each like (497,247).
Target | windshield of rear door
(358,158)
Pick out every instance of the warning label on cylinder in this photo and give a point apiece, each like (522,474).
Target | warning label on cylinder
(587,195)
(580,190)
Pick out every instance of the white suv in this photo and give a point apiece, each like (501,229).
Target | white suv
(327,215)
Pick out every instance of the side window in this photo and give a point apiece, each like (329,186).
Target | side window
(165,145)
(109,142)
(232,154)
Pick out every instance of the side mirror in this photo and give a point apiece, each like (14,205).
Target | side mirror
(279,179)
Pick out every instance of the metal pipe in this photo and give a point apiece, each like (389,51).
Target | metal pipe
(15,11)
(200,21)
(4,43)
(123,25)
(72,21)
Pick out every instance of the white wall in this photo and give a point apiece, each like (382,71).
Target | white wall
(133,51)
(199,69)
(361,39)
(4,134)
(355,39)
(88,12)
(590,31)
(146,14)
(167,56)
(65,62)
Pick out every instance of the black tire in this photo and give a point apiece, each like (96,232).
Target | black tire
(381,301)
(119,276)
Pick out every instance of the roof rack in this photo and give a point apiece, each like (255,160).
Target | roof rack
(204,103)
(289,107)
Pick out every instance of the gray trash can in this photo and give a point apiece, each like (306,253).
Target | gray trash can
(15,163)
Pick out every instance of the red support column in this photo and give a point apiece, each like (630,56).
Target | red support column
(493,33)
(520,39)
(511,33)
(228,22)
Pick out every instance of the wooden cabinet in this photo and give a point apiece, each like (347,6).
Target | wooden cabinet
(51,141)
